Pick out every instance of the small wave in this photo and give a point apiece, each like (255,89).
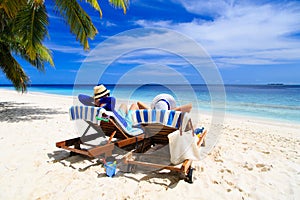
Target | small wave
(262,106)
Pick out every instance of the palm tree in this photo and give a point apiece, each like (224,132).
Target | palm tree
(23,27)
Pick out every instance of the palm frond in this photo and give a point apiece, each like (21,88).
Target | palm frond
(39,2)
(17,38)
(31,26)
(12,69)
(18,48)
(79,21)
(11,7)
(4,20)
(124,4)
(95,5)
(44,54)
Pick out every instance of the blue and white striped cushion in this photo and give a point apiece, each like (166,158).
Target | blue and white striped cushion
(89,113)
(169,118)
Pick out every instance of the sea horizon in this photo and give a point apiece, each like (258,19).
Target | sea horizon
(227,84)
(272,101)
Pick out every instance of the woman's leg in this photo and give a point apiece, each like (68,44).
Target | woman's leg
(134,107)
(123,108)
(141,105)
(184,108)
(128,114)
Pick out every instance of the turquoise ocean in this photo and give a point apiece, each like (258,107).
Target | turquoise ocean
(279,102)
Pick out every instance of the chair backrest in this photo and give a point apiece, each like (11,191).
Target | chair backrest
(89,113)
(170,118)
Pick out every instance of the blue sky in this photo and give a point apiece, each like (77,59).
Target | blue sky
(250,42)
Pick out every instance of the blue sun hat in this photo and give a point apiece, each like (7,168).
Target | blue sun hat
(86,100)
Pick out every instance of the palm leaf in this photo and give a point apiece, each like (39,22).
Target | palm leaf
(31,26)
(23,37)
(12,69)
(124,4)
(23,27)
(79,21)
(11,7)
(43,55)
(4,20)
(95,5)
(17,48)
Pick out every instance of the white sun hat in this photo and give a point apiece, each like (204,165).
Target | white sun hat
(163,102)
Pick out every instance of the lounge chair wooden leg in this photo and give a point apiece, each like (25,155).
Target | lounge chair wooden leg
(77,145)
(203,143)
(127,157)
(189,176)
(111,137)
(108,154)
(129,168)
(186,165)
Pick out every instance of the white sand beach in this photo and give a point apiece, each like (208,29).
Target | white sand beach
(253,159)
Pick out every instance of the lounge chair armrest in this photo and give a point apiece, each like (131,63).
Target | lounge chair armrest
(102,119)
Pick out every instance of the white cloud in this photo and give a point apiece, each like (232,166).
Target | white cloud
(151,73)
(242,33)
(152,56)
(143,22)
(109,24)
(163,46)
(159,48)
(66,48)
(204,7)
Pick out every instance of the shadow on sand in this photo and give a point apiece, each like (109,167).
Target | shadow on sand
(82,163)
(15,112)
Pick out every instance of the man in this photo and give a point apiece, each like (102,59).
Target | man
(103,99)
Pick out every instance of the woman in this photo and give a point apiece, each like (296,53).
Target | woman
(165,102)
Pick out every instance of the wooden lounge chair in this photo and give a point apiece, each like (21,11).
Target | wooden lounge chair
(154,128)
(157,125)
(109,126)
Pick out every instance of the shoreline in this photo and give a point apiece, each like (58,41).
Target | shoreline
(204,111)
(251,159)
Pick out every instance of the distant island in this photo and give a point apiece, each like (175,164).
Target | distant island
(276,84)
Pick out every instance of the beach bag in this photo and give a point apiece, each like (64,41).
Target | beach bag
(183,146)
